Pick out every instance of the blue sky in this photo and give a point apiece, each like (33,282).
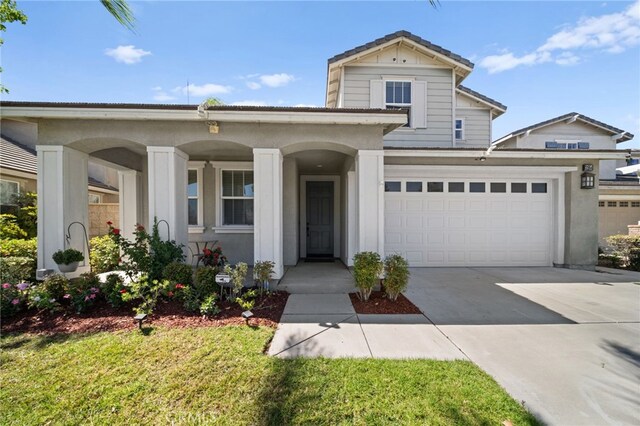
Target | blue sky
(541,59)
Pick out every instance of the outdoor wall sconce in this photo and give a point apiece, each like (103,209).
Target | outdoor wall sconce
(587,178)
(213,126)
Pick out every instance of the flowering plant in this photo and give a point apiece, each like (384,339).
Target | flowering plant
(12,297)
(214,257)
(83,292)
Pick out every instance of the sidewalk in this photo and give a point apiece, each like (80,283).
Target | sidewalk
(315,325)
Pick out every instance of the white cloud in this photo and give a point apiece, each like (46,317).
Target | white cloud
(306,106)
(249,103)
(253,85)
(127,54)
(507,61)
(276,80)
(207,89)
(160,95)
(567,59)
(611,33)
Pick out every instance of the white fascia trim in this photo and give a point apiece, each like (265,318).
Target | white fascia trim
(232,230)
(295,117)
(585,155)
(491,106)
(479,171)
(621,197)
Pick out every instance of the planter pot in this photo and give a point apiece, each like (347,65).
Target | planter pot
(71,267)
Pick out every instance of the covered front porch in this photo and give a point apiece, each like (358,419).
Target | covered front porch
(264,183)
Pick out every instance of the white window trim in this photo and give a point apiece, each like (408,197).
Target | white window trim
(198,166)
(219,166)
(96,195)
(462,129)
(7,202)
(409,105)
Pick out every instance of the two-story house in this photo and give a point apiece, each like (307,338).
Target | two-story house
(398,161)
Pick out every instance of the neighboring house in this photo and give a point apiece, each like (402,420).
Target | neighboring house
(397,162)
(18,174)
(619,195)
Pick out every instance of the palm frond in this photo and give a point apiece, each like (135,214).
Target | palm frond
(120,10)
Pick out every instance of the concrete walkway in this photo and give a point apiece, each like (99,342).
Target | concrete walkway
(317,278)
(314,325)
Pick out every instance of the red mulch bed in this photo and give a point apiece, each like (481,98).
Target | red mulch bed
(379,304)
(103,317)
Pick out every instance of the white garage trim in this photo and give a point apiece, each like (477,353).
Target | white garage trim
(554,176)
(621,197)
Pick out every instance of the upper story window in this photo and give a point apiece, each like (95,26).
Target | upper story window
(398,95)
(459,129)
(95,198)
(8,190)
(237,197)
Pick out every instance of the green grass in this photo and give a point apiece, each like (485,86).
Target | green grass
(220,375)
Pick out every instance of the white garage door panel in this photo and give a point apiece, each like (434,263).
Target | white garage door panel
(470,229)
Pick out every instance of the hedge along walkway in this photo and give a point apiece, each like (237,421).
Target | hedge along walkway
(220,375)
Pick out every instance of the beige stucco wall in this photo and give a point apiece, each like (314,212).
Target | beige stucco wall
(26,184)
(99,215)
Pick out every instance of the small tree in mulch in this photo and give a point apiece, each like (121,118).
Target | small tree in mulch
(366,271)
(396,271)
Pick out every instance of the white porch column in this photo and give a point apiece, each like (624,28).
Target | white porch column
(167,171)
(130,206)
(370,200)
(63,198)
(267,207)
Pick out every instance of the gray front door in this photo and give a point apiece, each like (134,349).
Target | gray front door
(320,219)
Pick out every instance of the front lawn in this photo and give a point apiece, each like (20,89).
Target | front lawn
(220,375)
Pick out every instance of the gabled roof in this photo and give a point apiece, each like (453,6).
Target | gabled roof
(625,136)
(398,34)
(487,100)
(16,156)
(23,158)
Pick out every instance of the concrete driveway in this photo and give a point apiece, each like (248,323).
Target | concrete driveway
(564,342)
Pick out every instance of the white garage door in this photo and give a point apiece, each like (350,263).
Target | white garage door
(469,222)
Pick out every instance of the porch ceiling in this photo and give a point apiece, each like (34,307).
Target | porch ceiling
(330,162)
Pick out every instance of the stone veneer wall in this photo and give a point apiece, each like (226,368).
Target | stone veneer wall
(99,215)
(634,229)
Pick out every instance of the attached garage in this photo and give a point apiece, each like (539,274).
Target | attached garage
(436,218)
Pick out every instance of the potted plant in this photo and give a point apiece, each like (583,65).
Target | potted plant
(396,271)
(68,259)
(262,271)
(366,270)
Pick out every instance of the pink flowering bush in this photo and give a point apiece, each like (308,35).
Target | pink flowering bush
(12,298)
(83,292)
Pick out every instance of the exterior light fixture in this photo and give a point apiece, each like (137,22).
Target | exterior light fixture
(246,315)
(140,318)
(587,178)
(213,126)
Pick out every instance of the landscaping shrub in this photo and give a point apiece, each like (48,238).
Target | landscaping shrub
(19,248)
(209,306)
(623,245)
(238,275)
(609,260)
(396,275)
(12,298)
(9,228)
(26,213)
(112,288)
(83,292)
(204,285)
(366,271)
(56,285)
(145,291)
(262,271)
(105,254)
(177,272)
(41,298)
(214,258)
(248,300)
(148,254)
(634,259)
(16,269)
